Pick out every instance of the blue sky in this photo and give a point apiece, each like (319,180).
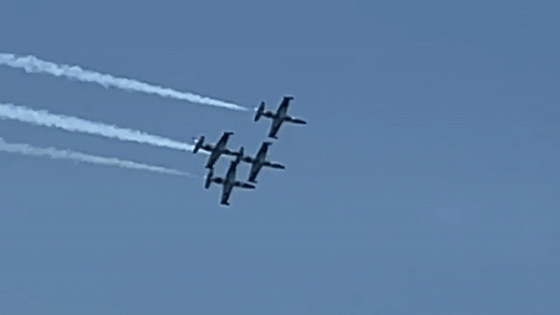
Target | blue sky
(426,180)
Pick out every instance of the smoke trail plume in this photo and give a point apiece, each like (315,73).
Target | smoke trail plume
(81,157)
(74,124)
(32,64)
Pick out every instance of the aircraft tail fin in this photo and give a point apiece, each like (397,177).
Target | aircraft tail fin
(239,155)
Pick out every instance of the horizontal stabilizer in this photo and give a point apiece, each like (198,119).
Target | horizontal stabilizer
(199,143)
(260,111)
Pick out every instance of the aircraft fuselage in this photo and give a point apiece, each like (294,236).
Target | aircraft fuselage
(229,182)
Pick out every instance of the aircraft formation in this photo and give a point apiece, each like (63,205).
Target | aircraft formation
(229,181)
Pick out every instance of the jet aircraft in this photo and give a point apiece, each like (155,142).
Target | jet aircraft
(229,181)
(259,161)
(279,117)
(215,150)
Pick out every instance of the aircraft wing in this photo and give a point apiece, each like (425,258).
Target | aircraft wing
(226,191)
(255,168)
(214,155)
(296,120)
(221,144)
(244,185)
(276,123)
(283,108)
(261,154)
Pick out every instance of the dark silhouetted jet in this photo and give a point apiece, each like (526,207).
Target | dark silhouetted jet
(279,117)
(229,181)
(259,161)
(216,150)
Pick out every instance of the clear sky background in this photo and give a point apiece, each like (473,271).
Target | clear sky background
(426,181)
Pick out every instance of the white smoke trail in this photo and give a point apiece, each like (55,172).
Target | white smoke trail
(32,64)
(74,124)
(81,157)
